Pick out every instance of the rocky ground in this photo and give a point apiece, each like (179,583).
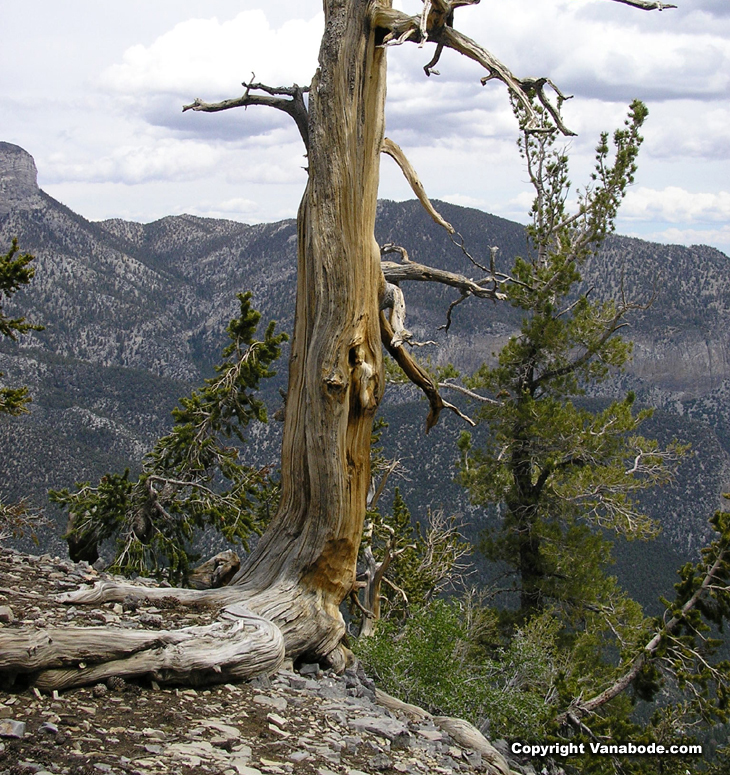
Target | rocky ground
(302,721)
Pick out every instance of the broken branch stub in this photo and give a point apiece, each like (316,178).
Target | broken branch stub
(396,152)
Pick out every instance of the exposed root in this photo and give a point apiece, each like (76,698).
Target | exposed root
(116,592)
(253,634)
(238,646)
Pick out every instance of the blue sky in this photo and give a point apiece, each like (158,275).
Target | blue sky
(94,92)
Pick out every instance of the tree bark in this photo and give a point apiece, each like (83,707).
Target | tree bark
(335,371)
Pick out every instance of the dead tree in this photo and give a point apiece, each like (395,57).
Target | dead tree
(286,599)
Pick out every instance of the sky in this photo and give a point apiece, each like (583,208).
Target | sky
(94,91)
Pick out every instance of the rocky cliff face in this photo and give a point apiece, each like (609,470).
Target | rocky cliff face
(18,180)
(134,317)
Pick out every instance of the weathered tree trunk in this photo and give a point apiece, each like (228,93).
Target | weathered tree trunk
(335,371)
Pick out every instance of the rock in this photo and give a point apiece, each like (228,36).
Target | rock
(275,718)
(10,728)
(390,729)
(5,712)
(434,735)
(278,703)
(262,682)
(310,669)
(18,179)
(48,728)
(380,762)
(332,690)
(350,678)
(6,612)
(229,732)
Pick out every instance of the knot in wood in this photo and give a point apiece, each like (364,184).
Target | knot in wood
(335,385)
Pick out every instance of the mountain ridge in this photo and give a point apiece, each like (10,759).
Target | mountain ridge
(135,314)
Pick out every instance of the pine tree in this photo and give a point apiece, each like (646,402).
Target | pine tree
(16,519)
(193,478)
(556,470)
(15,271)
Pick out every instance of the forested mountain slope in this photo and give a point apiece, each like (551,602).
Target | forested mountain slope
(134,317)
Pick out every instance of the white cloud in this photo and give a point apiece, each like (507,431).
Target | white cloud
(599,49)
(718,238)
(166,159)
(603,53)
(518,207)
(210,59)
(676,205)
(268,170)
(689,128)
(237,209)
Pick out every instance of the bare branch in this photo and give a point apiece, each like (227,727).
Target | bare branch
(390,468)
(581,708)
(646,5)
(273,97)
(469,393)
(414,372)
(356,600)
(439,30)
(459,413)
(429,68)
(419,377)
(435,23)
(486,288)
(411,271)
(18,520)
(450,310)
(395,152)
(395,587)
(393,299)
(521,89)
